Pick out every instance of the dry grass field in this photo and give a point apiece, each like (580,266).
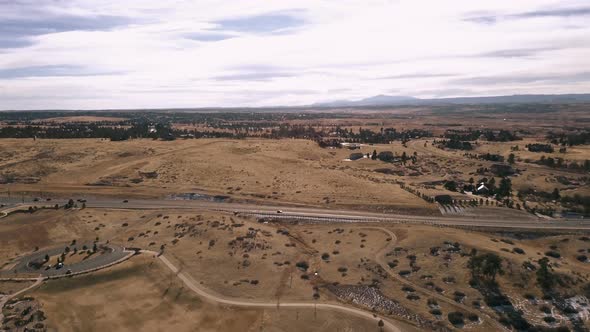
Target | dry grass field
(142,295)
(235,257)
(294,171)
(417,276)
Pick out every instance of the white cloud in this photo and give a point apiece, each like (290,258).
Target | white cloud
(258,52)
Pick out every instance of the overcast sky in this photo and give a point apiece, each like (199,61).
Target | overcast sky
(95,54)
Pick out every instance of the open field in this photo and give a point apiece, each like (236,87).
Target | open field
(323,221)
(293,171)
(239,258)
(142,295)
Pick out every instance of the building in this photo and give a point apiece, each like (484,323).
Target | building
(482,189)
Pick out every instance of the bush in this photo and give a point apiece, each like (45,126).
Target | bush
(436,312)
(473,317)
(570,310)
(553,253)
(549,319)
(518,251)
(408,289)
(449,280)
(582,258)
(456,318)
(545,309)
(303,266)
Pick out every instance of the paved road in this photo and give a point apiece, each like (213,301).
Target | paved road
(333,215)
(112,253)
(194,286)
(328,215)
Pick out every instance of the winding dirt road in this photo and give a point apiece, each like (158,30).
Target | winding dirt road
(194,286)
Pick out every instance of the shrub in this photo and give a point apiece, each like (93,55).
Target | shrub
(408,289)
(436,312)
(570,310)
(303,266)
(449,280)
(456,318)
(553,253)
(518,251)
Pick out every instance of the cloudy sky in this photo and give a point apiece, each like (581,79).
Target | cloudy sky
(96,54)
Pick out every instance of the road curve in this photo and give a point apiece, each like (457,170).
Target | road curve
(193,285)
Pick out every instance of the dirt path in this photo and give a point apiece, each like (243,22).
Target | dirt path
(194,286)
(7,298)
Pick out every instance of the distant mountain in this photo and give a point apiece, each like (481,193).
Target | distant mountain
(384,100)
(380,100)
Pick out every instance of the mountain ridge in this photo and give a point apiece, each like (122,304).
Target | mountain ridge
(387,100)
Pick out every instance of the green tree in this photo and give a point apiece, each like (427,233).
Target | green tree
(451,185)
(485,266)
(404,157)
(511,158)
(545,278)
(505,188)
(555,194)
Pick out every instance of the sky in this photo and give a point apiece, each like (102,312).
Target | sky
(107,54)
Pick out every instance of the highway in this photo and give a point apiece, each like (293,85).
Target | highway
(318,215)
(311,214)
